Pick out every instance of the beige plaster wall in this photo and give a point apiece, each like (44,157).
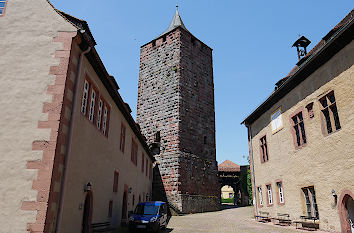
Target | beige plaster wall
(226,190)
(27,52)
(94,158)
(327,162)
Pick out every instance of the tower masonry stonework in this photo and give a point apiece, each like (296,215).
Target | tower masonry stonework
(176,114)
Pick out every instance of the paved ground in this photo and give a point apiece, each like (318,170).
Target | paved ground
(234,220)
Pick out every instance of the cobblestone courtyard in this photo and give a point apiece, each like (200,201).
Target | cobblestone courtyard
(234,220)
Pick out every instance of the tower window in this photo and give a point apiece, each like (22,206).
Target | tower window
(205,139)
(164,38)
(157,136)
(154,43)
(2,6)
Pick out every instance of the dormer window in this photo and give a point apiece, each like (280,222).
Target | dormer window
(2,6)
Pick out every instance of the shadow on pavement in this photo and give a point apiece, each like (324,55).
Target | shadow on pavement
(125,230)
(226,206)
(167,230)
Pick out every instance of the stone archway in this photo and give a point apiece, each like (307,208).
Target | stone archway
(232,174)
(346,210)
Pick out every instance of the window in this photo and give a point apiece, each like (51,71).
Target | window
(330,113)
(2,6)
(89,106)
(122,138)
(110,209)
(99,116)
(157,137)
(309,108)
(299,129)
(85,97)
(142,162)
(150,171)
(154,43)
(264,150)
(105,120)
(310,201)
(134,153)
(164,38)
(92,105)
(260,198)
(115,182)
(280,192)
(269,194)
(146,167)
(277,123)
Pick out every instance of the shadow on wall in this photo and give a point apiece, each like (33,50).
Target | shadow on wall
(158,190)
(324,74)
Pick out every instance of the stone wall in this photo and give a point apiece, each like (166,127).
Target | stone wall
(176,99)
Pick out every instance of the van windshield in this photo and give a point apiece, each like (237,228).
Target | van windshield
(146,209)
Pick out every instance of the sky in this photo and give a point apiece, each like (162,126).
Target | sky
(251,42)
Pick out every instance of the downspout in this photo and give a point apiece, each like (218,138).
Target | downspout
(69,142)
(253,175)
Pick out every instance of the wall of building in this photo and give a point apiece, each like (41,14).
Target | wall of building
(28,53)
(226,191)
(176,99)
(326,162)
(94,158)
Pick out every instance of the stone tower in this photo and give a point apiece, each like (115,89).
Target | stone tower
(176,114)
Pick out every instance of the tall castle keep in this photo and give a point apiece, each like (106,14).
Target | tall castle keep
(176,114)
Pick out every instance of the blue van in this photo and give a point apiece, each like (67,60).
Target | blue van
(150,216)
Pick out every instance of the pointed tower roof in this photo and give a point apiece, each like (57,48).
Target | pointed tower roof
(176,22)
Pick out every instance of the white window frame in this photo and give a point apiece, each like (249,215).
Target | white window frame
(270,196)
(280,192)
(99,115)
(92,105)
(260,196)
(104,125)
(85,97)
(276,120)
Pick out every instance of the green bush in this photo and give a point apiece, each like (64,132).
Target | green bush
(227,200)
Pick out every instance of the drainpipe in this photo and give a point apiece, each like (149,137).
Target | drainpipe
(253,175)
(70,135)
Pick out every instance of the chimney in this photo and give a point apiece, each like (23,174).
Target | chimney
(301,45)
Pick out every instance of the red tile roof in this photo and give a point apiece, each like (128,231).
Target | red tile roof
(228,166)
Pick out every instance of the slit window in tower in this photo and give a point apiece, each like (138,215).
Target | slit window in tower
(157,136)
